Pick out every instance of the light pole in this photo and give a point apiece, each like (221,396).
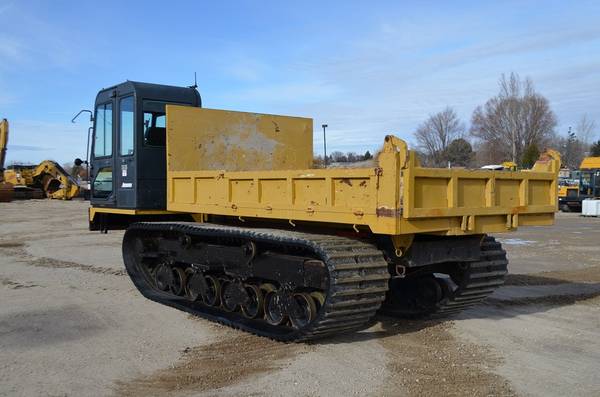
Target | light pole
(324,143)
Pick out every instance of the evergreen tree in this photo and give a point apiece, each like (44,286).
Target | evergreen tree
(530,156)
(595,149)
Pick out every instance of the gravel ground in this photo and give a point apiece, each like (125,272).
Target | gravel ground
(72,324)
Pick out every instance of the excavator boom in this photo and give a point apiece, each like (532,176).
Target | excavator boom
(6,189)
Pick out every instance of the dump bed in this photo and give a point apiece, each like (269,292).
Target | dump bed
(395,196)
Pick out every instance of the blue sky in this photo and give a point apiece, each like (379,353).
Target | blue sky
(366,68)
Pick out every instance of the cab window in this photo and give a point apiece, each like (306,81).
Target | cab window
(154,128)
(126,126)
(103,132)
(102,186)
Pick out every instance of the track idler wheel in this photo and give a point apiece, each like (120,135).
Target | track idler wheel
(172,279)
(275,313)
(196,285)
(163,277)
(178,281)
(233,295)
(212,295)
(303,310)
(253,307)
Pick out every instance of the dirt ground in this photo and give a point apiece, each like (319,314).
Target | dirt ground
(72,324)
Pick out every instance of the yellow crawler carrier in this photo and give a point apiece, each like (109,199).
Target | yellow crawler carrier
(242,231)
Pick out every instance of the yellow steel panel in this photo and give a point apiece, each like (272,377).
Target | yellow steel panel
(274,191)
(352,192)
(310,192)
(489,224)
(208,139)
(183,189)
(243,191)
(507,192)
(536,219)
(208,191)
(431,192)
(540,193)
(470,192)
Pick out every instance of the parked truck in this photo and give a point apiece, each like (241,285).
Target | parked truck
(227,220)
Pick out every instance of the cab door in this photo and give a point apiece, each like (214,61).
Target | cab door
(596,178)
(125,158)
(102,170)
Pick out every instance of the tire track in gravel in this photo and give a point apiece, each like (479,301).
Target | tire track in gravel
(231,359)
(17,249)
(426,359)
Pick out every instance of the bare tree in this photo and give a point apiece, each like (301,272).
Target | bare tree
(435,134)
(338,157)
(515,119)
(585,130)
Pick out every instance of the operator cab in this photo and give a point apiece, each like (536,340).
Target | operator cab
(128,158)
(589,183)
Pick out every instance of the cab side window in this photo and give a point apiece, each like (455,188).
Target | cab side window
(103,137)
(154,128)
(126,126)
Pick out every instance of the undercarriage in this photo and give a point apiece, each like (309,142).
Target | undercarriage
(294,286)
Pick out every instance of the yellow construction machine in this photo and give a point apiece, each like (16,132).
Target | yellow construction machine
(583,184)
(6,189)
(227,220)
(47,179)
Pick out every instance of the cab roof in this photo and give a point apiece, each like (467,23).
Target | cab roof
(590,163)
(150,91)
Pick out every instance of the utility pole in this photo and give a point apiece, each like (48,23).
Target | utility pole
(324,143)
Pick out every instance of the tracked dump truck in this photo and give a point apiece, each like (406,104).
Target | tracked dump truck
(227,220)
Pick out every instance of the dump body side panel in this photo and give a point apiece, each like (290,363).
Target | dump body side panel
(394,197)
(480,199)
(208,139)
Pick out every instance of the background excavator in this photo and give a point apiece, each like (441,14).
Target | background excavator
(47,179)
(6,189)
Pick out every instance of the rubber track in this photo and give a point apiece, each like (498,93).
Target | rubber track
(480,279)
(358,278)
